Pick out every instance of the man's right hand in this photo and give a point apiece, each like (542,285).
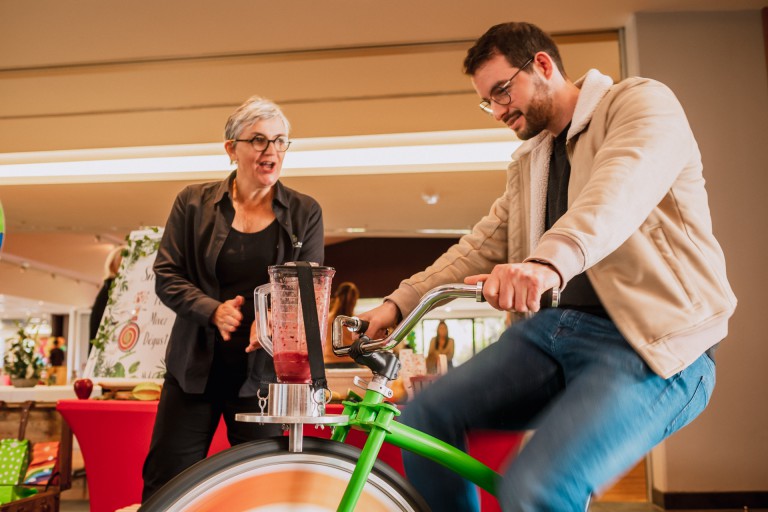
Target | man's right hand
(380,319)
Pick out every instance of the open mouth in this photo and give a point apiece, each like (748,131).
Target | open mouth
(267,166)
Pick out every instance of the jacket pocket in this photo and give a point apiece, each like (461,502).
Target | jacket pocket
(659,238)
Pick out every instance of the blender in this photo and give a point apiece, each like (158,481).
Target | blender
(299,293)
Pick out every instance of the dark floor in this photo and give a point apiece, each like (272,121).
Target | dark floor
(647,507)
(82,506)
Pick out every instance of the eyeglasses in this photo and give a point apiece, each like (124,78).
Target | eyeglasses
(261,143)
(500,94)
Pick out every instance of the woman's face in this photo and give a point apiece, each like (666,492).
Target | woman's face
(259,168)
(442,331)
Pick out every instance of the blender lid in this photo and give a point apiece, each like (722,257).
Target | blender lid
(290,267)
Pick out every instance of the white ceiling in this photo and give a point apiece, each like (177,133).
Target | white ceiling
(143,73)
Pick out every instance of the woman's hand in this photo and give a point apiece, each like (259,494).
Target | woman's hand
(227,317)
(253,339)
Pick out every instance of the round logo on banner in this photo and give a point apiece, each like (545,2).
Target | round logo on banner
(2,226)
(128,337)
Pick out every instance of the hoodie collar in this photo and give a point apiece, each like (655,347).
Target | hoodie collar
(594,86)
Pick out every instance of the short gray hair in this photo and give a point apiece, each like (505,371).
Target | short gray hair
(253,110)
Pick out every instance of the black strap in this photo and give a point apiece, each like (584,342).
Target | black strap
(311,325)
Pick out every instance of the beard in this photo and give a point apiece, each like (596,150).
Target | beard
(538,114)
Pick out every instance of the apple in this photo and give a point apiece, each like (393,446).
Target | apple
(83,388)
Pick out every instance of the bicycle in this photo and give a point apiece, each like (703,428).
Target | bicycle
(294,473)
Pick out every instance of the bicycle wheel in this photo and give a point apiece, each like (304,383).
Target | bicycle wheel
(263,476)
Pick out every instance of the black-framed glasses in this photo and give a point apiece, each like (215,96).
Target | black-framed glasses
(500,94)
(261,143)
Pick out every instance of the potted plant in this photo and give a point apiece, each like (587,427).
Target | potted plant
(21,362)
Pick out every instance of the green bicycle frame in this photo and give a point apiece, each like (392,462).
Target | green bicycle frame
(376,418)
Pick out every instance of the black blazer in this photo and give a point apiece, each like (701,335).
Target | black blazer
(185,270)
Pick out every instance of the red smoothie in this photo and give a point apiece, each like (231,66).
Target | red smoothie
(292,367)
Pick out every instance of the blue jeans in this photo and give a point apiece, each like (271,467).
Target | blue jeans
(595,405)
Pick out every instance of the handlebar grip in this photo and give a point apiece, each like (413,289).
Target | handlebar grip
(362,326)
(550,298)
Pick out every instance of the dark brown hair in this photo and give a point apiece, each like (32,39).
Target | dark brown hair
(516,41)
(345,299)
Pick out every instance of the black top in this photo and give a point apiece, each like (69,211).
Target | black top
(241,267)
(56,357)
(579,294)
(97,310)
(185,269)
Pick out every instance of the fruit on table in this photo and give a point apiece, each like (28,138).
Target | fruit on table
(147,391)
(83,388)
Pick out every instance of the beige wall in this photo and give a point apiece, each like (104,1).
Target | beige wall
(715,63)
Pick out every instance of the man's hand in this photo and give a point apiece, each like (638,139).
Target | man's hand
(380,319)
(227,316)
(516,286)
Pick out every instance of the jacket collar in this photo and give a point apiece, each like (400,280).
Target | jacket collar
(223,188)
(594,86)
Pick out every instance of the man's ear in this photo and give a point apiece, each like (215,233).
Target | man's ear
(544,63)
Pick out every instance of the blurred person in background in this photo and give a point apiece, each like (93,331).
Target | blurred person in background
(111,266)
(441,344)
(343,302)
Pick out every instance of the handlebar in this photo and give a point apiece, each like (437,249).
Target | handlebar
(428,302)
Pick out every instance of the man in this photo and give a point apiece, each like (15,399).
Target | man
(606,201)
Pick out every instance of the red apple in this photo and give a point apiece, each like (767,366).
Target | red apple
(83,388)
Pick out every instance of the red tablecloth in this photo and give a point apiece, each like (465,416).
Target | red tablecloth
(114,438)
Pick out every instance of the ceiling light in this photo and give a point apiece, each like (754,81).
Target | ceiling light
(463,150)
(430,199)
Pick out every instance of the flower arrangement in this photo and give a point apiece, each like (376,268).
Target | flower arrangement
(21,360)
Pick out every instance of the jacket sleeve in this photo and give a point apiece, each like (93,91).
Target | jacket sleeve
(173,284)
(313,246)
(647,145)
(475,253)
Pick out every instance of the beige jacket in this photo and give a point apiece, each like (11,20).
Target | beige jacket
(638,223)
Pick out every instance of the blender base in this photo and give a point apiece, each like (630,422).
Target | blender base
(256,417)
(295,424)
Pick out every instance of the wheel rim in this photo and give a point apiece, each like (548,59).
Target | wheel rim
(288,482)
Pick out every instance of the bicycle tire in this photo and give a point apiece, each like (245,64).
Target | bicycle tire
(264,476)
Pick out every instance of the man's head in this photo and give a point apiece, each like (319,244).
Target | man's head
(516,68)
(516,42)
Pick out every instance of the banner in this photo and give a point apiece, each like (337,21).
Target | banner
(134,331)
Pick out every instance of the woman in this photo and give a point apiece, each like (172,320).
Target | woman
(218,242)
(440,344)
(111,266)
(343,303)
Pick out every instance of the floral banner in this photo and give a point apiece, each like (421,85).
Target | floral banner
(130,344)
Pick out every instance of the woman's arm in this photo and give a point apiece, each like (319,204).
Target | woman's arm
(173,284)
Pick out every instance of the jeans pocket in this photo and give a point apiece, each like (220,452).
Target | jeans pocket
(692,409)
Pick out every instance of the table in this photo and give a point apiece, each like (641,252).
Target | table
(114,438)
(41,393)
